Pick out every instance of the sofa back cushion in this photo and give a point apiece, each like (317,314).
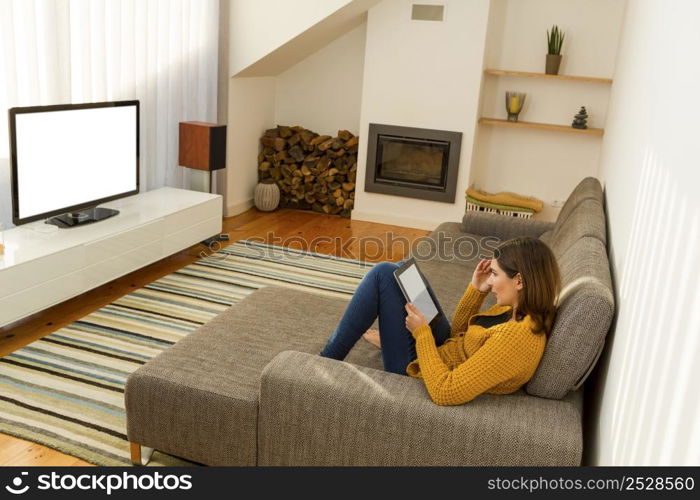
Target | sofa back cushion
(586,219)
(582,215)
(585,310)
(586,304)
(588,188)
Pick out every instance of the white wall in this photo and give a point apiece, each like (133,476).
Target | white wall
(324,91)
(429,74)
(251,112)
(644,396)
(421,74)
(518,37)
(260,26)
(545,164)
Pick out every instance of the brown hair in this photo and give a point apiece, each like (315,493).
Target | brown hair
(539,269)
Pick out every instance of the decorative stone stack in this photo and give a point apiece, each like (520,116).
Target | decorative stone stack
(314,172)
(580,119)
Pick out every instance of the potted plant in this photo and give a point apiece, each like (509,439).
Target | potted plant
(554,42)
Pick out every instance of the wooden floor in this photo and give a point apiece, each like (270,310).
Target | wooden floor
(321,233)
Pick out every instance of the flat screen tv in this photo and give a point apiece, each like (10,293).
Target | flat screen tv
(66,159)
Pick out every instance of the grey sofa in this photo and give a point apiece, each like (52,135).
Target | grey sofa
(248,388)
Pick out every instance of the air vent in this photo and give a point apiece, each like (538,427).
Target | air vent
(427,12)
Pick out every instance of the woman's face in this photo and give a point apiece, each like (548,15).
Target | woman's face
(504,288)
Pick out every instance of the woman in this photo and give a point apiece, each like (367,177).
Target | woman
(494,352)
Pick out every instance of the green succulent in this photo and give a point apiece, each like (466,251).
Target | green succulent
(555,39)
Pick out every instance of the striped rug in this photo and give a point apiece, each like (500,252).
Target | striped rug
(66,390)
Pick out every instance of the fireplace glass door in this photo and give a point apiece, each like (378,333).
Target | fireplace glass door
(422,163)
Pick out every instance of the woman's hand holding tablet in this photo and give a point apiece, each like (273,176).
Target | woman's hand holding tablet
(414,317)
(415,289)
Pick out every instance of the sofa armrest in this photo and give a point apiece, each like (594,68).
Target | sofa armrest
(319,411)
(488,224)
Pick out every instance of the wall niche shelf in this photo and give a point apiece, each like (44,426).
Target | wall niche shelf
(527,74)
(540,126)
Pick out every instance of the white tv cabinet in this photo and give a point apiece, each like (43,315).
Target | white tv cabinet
(41,269)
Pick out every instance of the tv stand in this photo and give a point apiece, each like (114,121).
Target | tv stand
(40,269)
(85,216)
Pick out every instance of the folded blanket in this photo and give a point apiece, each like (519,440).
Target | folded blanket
(497,206)
(507,198)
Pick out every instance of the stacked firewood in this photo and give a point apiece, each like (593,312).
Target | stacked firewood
(313,172)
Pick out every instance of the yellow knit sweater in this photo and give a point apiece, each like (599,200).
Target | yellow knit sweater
(476,360)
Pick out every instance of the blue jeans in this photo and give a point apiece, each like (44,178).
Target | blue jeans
(378,294)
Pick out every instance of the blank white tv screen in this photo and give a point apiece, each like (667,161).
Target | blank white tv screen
(70,157)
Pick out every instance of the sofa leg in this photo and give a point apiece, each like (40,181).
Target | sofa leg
(136,457)
(135,453)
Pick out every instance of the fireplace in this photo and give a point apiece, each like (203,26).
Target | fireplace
(413,162)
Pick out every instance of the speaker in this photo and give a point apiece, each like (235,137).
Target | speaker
(202,146)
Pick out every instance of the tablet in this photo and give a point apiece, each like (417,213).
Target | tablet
(416,289)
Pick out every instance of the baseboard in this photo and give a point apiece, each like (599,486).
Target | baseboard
(239,208)
(396,220)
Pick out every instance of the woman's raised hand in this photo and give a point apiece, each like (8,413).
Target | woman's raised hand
(481,275)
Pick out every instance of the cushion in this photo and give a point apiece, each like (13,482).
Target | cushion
(586,219)
(584,314)
(503,227)
(588,188)
(214,375)
(317,412)
(547,237)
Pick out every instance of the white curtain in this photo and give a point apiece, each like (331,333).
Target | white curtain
(162,52)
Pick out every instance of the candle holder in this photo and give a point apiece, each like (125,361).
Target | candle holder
(514,104)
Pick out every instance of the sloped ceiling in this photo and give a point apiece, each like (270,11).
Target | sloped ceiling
(310,40)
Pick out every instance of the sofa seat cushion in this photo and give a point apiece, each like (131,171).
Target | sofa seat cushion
(199,398)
